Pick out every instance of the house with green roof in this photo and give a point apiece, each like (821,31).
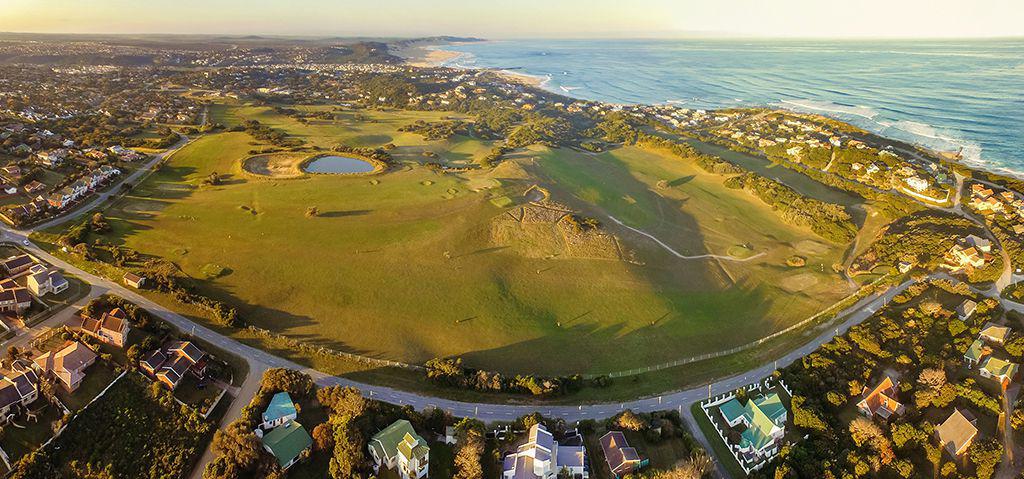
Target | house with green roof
(399,447)
(999,369)
(280,410)
(288,443)
(976,352)
(765,420)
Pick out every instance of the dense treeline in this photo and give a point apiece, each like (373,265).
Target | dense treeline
(436,130)
(451,372)
(919,339)
(828,220)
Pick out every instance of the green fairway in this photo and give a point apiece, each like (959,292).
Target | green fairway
(413,264)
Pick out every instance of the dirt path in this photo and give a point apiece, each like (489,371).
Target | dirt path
(680,255)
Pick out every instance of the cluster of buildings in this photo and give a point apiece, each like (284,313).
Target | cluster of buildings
(82,187)
(281,434)
(764,425)
(36,280)
(1004,204)
(171,363)
(969,254)
(982,354)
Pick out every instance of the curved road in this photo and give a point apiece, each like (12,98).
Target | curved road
(260,360)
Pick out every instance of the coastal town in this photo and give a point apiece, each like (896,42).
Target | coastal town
(124,360)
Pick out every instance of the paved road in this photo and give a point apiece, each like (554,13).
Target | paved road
(259,360)
(99,198)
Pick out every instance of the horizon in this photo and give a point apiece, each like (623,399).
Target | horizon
(527,19)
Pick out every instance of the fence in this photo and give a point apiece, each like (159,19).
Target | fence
(313,349)
(860,294)
(65,426)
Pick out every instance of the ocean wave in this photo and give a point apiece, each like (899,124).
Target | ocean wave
(827,106)
(569,89)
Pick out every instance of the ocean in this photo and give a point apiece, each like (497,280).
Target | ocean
(959,96)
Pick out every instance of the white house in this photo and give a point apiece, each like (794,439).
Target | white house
(543,458)
(280,410)
(399,447)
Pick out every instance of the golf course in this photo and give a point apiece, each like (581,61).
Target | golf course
(416,261)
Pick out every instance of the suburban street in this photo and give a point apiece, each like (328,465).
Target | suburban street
(259,360)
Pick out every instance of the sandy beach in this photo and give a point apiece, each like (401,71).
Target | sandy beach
(426,56)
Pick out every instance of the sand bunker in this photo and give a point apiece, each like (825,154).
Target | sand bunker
(274,165)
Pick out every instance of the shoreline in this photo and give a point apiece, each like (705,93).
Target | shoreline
(435,56)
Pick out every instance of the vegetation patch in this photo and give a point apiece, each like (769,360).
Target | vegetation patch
(135,429)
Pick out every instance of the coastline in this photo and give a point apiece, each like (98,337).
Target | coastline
(435,55)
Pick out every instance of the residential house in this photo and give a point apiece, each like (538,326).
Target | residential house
(134,280)
(966,309)
(976,352)
(917,183)
(621,458)
(280,411)
(957,432)
(18,264)
(11,172)
(288,443)
(999,369)
(13,298)
(19,389)
(541,457)
(765,421)
(399,447)
(170,364)
(42,280)
(34,187)
(51,159)
(994,333)
(111,328)
(68,364)
(881,401)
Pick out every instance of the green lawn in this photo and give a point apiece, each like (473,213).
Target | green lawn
(405,266)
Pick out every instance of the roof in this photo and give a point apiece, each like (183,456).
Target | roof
(617,452)
(881,398)
(967,307)
(280,406)
(155,359)
(995,332)
(956,432)
(976,351)
(398,438)
(1000,367)
(732,410)
(15,262)
(287,441)
(188,349)
(74,356)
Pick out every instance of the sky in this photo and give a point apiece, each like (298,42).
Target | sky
(526,18)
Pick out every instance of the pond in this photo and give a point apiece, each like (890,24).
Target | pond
(338,164)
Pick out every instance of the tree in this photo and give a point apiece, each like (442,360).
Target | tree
(323,437)
(806,417)
(347,460)
(312,212)
(985,454)
(291,381)
(238,448)
(99,224)
(342,400)
(468,456)
(630,421)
